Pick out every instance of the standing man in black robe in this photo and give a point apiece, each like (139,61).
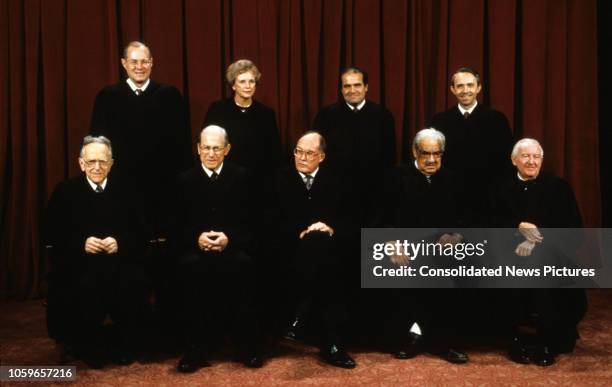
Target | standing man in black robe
(314,224)
(471,125)
(424,194)
(96,230)
(361,139)
(529,202)
(213,243)
(148,125)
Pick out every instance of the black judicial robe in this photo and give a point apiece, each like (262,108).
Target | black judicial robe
(84,287)
(477,149)
(253,134)
(360,145)
(151,141)
(547,202)
(203,205)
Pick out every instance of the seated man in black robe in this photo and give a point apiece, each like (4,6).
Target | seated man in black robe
(529,202)
(313,226)
(96,231)
(212,243)
(424,195)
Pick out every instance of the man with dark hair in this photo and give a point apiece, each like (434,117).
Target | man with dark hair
(471,125)
(361,138)
(147,123)
(96,230)
(424,194)
(313,225)
(213,242)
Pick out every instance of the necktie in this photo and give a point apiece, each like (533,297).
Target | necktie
(214,176)
(138,91)
(428,179)
(309,179)
(99,188)
(466,114)
(355,110)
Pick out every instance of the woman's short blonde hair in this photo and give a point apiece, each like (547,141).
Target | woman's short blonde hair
(241,66)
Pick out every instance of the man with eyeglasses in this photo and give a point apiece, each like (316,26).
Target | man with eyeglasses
(313,223)
(147,123)
(424,194)
(213,244)
(96,230)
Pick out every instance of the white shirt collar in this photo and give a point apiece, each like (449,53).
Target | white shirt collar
(209,172)
(94,185)
(358,107)
(134,87)
(313,174)
(470,110)
(416,165)
(523,179)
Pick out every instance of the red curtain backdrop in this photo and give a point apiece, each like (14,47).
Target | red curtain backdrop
(538,59)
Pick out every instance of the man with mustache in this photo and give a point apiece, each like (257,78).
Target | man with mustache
(472,125)
(423,194)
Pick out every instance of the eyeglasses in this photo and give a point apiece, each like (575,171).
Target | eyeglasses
(215,149)
(102,163)
(144,62)
(310,155)
(426,155)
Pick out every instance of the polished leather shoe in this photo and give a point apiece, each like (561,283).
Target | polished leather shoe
(413,347)
(337,357)
(543,356)
(518,352)
(191,361)
(292,332)
(253,361)
(453,356)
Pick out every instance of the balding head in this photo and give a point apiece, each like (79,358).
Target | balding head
(213,146)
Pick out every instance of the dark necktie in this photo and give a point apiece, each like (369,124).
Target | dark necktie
(355,110)
(214,176)
(309,179)
(138,91)
(99,188)
(466,114)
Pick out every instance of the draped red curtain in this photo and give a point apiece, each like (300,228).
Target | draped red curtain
(538,59)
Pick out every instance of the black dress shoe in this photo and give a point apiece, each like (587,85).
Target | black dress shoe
(518,353)
(543,356)
(454,356)
(292,333)
(336,356)
(191,361)
(253,361)
(413,347)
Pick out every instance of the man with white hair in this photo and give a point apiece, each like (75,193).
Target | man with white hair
(424,195)
(213,243)
(96,230)
(530,201)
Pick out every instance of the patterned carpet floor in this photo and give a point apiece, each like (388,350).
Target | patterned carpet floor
(23,341)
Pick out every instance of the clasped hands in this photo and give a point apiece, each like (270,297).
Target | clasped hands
(404,259)
(318,226)
(95,245)
(532,237)
(213,241)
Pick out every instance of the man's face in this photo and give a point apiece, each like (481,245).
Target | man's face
(353,89)
(528,161)
(138,64)
(465,88)
(245,85)
(96,162)
(307,154)
(212,150)
(428,156)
